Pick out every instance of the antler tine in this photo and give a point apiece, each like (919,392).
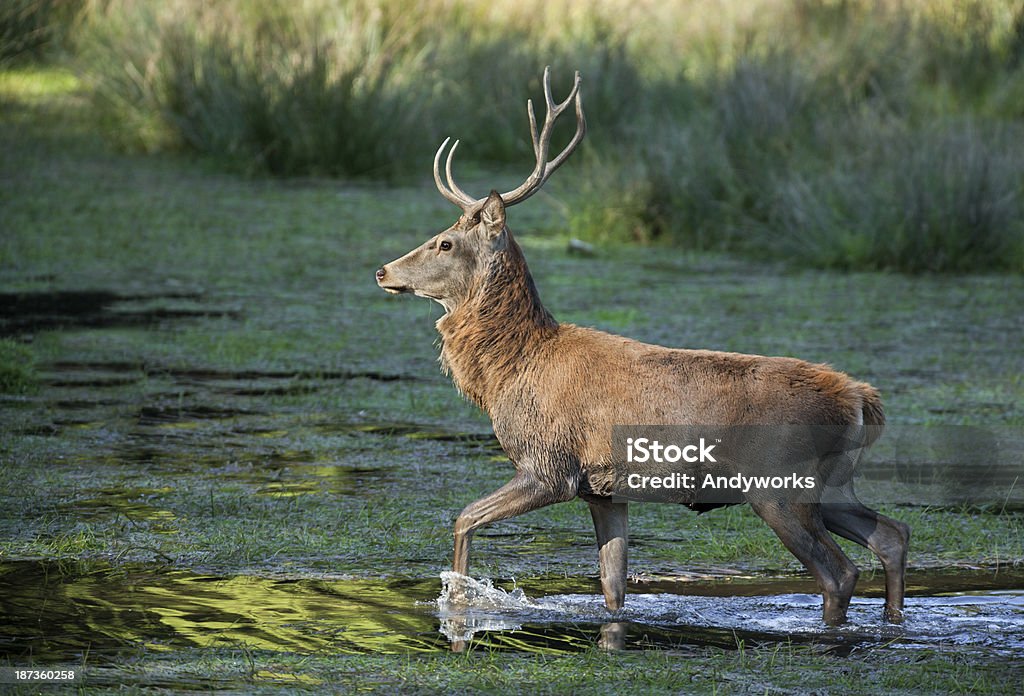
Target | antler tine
(572,94)
(469,200)
(533,128)
(541,142)
(581,129)
(454,194)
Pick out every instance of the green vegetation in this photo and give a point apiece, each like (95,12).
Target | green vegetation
(750,669)
(17,368)
(33,30)
(201,352)
(852,135)
(221,388)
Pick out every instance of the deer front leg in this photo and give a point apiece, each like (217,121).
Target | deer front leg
(520,495)
(611,521)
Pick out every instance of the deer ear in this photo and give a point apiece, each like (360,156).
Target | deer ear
(492,215)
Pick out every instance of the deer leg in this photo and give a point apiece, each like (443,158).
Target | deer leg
(802,530)
(520,495)
(611,521)
(887,538)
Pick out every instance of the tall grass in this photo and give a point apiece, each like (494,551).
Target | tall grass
(852,134)
(947,197)
(327,88)
(31,30)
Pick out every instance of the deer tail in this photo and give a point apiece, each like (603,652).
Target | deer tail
(872,413)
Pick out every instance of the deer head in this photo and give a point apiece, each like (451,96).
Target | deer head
(448,266)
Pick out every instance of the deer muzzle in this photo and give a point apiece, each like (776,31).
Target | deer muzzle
(386,282)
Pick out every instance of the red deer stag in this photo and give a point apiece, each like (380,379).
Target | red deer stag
(555,391)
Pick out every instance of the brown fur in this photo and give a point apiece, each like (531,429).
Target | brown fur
(486,341)
(555,391)
(561,386)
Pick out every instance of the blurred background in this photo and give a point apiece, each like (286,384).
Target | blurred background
(852,134)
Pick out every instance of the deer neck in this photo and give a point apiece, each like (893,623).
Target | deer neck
(487,341)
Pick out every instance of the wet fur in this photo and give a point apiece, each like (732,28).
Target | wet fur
(551,387)
(555,391)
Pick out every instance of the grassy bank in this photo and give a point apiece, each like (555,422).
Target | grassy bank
(778,669)
(854,135)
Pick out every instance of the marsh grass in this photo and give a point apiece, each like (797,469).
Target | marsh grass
(298,295)
(859,135)
(284,486)
(764,669)
(17,368)
(945,197)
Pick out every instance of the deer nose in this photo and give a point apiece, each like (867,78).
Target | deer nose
(381,273)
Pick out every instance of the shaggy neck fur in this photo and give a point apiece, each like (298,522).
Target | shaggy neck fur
(487,340)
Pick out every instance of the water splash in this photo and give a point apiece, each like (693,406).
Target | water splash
(468,606)
(992,620)
(459,590)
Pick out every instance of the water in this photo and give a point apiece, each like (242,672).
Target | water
(59,612)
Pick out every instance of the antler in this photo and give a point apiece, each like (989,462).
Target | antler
(541,171)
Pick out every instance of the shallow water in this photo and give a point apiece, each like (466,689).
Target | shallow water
(54,612)
(991,620)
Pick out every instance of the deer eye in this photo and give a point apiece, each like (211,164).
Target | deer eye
(445,245)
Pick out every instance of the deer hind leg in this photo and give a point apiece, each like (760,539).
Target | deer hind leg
(520,495)
(802,530)
(887,538)
(611,521)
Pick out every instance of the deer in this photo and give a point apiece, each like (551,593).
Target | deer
(555,391)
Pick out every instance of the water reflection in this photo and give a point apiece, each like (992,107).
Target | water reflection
(52,611)
(60,611)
